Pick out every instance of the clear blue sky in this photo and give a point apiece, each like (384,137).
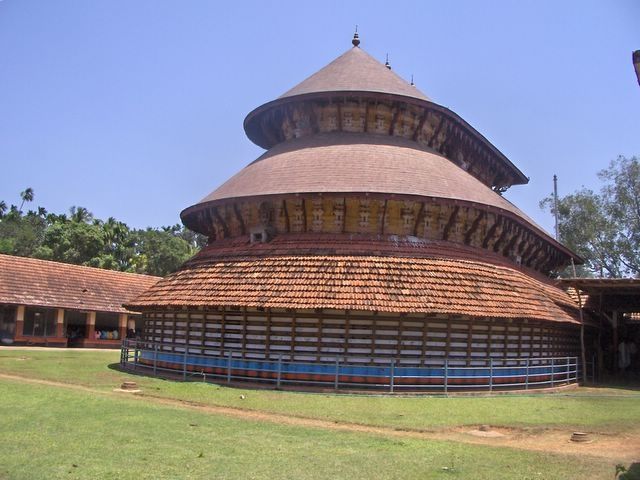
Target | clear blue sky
(134,109)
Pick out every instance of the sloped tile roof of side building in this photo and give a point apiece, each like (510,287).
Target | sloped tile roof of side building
(43,283)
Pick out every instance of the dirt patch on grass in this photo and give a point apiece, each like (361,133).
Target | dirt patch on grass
(623,447)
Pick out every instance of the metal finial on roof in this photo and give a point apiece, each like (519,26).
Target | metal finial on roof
(412,84)
(356,38)
(387,64)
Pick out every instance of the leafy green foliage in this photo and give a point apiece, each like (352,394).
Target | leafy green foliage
(604,228)
(21,234)
(81,239)
(160,251)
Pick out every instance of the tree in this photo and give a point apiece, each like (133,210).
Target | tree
(73,242)
(79,238)
(80,215)
(26,196)
(118,245)
(21,235)
(159,252)
(604,228)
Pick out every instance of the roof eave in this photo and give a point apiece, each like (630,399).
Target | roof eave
(253,131)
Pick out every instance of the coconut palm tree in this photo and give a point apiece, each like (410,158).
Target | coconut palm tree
(26,196)
(80,215)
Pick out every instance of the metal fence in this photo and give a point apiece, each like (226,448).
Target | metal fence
(441,375)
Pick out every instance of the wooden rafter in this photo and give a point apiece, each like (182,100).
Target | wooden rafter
(437,131)
(527,252)
(420,126)
(529,262)
(491,232)
(219,219)
(287,222)
(419,217)
(384,215)
(449,225)
(505,231)
(236,211)
(304,216)
(394,118)
(366,118)
(313,119)
(512,242)
(523,243)
(474,226)
(444,148)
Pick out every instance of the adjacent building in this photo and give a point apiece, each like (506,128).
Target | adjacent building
(58,304)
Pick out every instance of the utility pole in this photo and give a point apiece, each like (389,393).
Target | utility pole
(555,204)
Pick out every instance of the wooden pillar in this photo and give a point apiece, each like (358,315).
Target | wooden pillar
(614,322)
(122,325)
(91,326)
(60,323)
(20,321)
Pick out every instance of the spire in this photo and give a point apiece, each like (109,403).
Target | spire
(387,64)
(412,84)
(356,38)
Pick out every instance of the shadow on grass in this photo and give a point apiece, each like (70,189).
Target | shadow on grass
(631,473)
(619,383)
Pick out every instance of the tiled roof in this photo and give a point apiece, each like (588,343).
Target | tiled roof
(439,282)
(358,163)
(356,70)
(29,281)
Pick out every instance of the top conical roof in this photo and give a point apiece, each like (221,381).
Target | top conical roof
(355,71)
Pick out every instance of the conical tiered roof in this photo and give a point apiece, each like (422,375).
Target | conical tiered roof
(356,71)
(373,228)
(356,133)
(356,87)
(352,163)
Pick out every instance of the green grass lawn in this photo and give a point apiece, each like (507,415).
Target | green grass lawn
(602,410)
(55,433)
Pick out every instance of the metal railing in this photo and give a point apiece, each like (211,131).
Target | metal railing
(441,374)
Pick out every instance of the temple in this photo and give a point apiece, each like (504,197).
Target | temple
(372,230)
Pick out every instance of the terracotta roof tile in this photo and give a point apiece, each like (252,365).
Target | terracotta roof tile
(357,163)
(29,281)
(356,70)
(431,284)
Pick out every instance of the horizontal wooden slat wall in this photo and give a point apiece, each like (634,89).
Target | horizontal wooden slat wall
(371,338)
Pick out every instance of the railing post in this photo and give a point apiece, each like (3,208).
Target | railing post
(155,358)
(526,377)
(228,367)
(279,378)
(184,364)
(135,355)
(391,376)
(490,375)
(446,376)
(553,368)
(336,380)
